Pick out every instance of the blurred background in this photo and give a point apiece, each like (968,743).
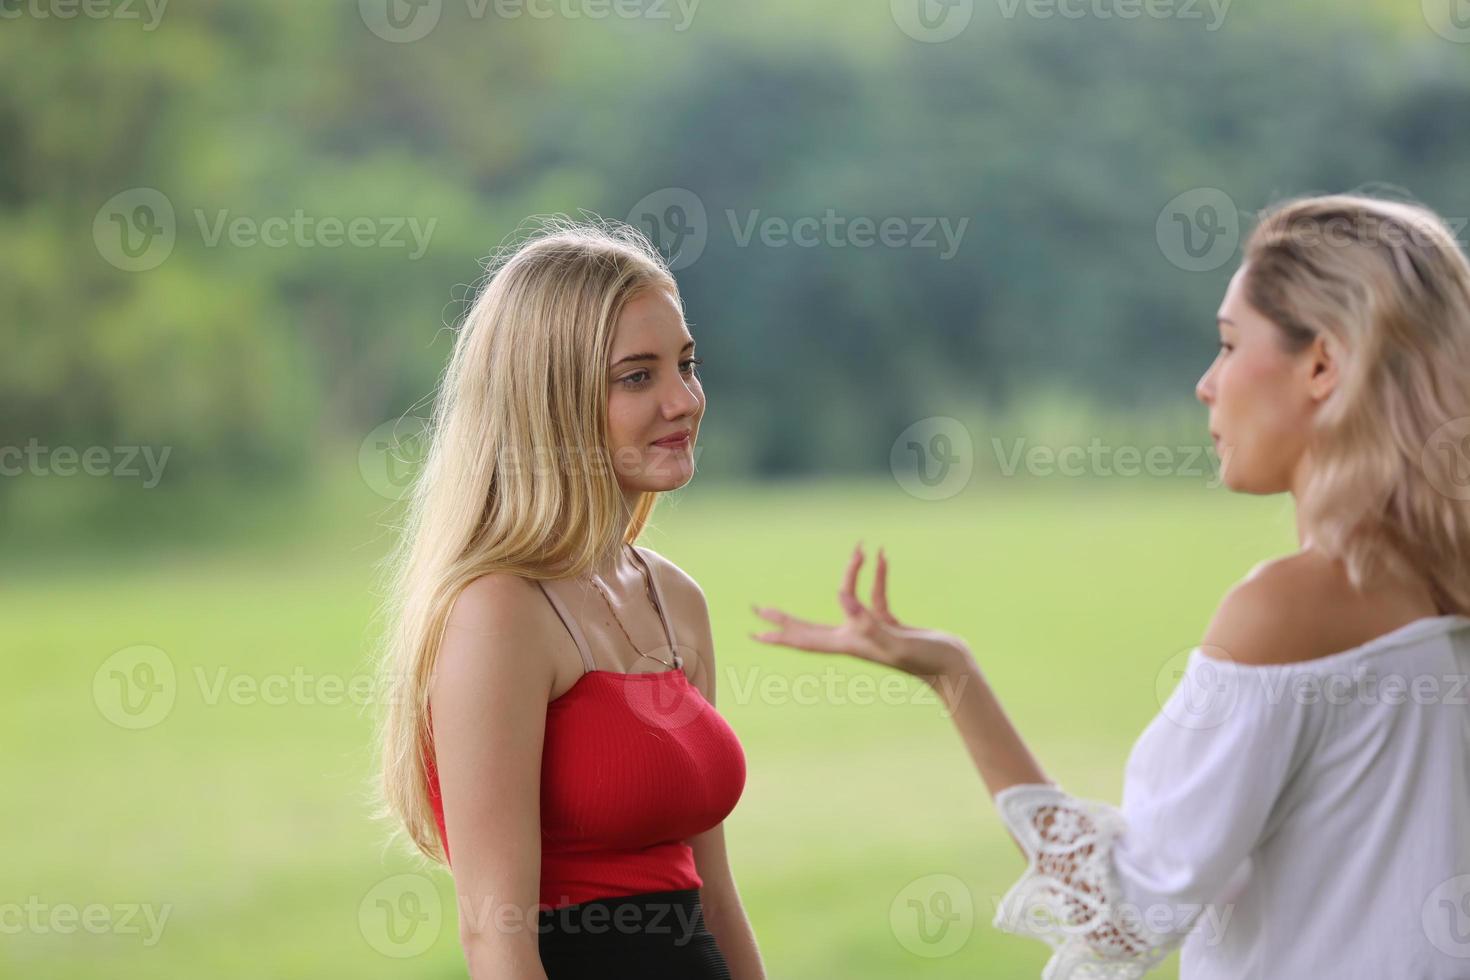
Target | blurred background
(952,266)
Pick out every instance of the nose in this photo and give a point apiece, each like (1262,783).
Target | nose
(682,400)
(1204,389)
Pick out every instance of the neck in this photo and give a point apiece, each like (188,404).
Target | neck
(630,503)
(609,566)
(1298,485)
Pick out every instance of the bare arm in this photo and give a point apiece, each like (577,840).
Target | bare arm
(941,660)
(489,696)
(724,915)
(999,752)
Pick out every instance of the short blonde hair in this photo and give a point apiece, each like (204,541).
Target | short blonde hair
(1388,286)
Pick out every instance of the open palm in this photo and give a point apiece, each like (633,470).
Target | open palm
(868,632)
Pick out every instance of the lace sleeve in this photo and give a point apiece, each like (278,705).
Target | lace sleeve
(1114,890)
(1069,895)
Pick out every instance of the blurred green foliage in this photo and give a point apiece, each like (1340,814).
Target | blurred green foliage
(1058,140)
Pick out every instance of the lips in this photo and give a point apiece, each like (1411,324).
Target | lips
(675,440)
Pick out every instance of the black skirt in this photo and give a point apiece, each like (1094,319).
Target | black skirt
(651,936)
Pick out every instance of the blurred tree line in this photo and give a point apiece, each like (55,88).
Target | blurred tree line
(1058,143)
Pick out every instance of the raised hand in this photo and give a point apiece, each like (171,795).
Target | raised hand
(870,633)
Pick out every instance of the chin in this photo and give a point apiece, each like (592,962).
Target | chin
(1245,483)
(663,471)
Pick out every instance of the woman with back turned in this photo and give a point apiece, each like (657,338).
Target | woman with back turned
(1301,805)
(552,728)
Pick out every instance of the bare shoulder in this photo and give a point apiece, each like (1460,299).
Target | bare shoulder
(496,601)
(682,590)
(495,625)
(1301,607)
(689,617)
(1264,617)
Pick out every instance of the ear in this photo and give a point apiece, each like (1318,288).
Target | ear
(1322,364)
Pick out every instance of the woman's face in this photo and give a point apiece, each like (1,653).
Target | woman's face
(1261,398)
(654,401)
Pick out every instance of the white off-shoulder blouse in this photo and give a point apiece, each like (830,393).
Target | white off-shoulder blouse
(1297,820)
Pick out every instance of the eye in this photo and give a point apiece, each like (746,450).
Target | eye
(641,377)
(1226,346)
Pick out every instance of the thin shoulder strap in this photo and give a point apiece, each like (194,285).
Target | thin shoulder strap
(570,623)
(658,593)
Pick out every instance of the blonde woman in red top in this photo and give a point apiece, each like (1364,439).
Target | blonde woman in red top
(552,731)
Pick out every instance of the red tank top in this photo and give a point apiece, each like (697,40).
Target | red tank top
(632,766)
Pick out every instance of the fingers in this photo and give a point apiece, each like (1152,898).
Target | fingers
(784,620)
(813,636)
(807,636)
(880,591)
(847,595)
(794,632)
(798,640)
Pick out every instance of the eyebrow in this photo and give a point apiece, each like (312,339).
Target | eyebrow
(1224,319)
(648,357)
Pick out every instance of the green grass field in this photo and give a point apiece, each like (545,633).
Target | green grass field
(242,812)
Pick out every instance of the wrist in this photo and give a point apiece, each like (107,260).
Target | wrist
(953,659)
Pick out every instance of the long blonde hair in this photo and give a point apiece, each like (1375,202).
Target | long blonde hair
(518,475)
(1386,283)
